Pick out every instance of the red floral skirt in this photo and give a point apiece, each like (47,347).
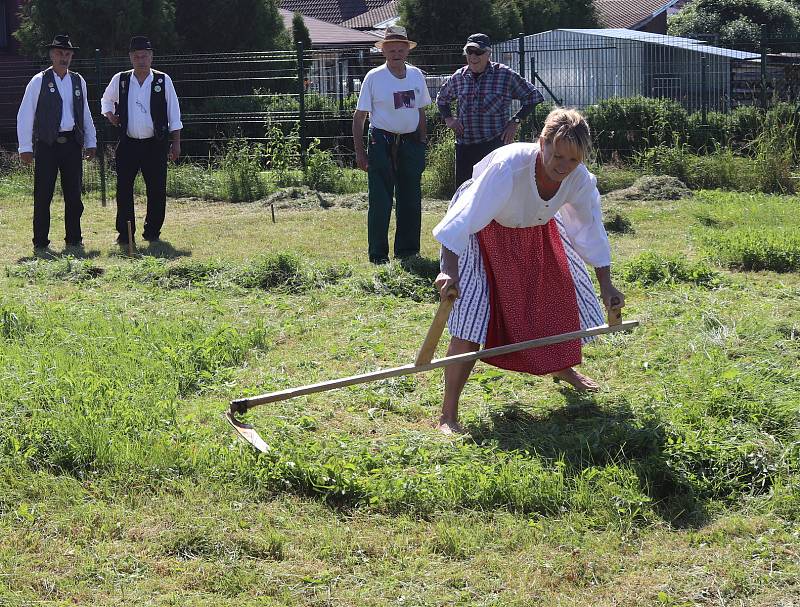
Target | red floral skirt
(531,295)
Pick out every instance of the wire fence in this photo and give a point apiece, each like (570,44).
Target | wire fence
(269,97)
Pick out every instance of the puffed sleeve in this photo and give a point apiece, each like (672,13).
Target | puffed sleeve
(475,207)
(583,221)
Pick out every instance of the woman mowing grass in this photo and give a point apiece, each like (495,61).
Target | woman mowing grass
(517,266)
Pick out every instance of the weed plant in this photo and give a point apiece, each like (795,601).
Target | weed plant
(241,167)
(440,173)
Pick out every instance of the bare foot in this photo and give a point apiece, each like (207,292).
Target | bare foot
(449,427)
(577,380)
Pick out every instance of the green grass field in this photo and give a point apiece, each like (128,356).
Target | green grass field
(120,483)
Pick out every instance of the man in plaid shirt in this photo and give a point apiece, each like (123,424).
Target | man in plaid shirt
(484,91)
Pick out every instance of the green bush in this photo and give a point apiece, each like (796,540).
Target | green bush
(322,173)
(282,154)
(745,124)
(774,249)
(439,180)
(652,269)
(241,169)
(708,135)
(624,126)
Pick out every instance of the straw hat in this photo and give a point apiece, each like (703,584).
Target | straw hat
(396,33)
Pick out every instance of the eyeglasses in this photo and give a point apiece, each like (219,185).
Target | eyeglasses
(141,106)
(475,51)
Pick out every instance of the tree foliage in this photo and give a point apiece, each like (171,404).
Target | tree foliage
(441,22)
(172,25)
(544,15)
(300,32)
(247,25)
(96,24)
(737,23)
(436,21)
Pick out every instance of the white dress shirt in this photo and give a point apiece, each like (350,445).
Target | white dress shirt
(30,101)
(140,120)
(504,189)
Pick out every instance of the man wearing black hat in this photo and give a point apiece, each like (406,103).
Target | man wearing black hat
(484,91)
(142,102)
(54,124)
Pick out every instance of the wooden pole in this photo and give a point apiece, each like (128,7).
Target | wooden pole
(243,404)
(428,348)
(130,239)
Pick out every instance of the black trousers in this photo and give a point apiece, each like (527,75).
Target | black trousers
(63,158)
(150,157)
(470,154)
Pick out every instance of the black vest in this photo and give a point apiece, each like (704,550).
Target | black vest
(49,108)
(158,103)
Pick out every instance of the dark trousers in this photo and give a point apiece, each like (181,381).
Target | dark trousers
(470,154)
(64,158)
(150,157)
(396,163)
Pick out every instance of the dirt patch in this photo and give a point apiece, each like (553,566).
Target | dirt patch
(649,187)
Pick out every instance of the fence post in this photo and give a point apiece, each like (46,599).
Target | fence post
(101,144)
(521,54)
(763,69)
(703,86)
(301,95)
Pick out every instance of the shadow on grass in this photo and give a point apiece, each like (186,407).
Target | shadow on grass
(163,250)
(160,249)
(68,252)
(583,435)
(423,267)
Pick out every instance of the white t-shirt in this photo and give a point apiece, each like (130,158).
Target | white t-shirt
(504,189)
(394,103)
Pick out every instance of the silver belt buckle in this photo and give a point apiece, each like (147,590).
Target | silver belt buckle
(61,139)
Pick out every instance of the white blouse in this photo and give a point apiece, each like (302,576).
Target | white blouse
(504,189)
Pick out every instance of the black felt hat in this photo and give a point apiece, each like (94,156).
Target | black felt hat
(62,41)
(140,43)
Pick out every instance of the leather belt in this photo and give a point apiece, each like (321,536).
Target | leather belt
(64,136)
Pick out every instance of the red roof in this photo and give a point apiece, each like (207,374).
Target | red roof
(324,34)
(372,18)
(332,11)
(629,13)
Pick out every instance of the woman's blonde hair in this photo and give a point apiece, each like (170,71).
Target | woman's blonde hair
(571,126)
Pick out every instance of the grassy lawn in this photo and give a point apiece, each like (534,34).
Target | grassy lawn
(120,483)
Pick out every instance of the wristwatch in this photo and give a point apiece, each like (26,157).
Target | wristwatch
(516,120)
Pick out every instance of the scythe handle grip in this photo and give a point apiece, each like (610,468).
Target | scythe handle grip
(428,348)
(614,313)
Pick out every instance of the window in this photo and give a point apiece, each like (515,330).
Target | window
(667,86)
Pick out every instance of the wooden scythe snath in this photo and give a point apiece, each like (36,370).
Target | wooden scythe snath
(422,363)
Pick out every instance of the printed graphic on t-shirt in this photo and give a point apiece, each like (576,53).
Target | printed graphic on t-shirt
(404,99)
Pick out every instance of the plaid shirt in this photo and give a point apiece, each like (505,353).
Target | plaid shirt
(484,102)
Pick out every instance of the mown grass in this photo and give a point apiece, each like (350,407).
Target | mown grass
(120,483)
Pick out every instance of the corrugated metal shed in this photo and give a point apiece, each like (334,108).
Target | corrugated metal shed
(584,66)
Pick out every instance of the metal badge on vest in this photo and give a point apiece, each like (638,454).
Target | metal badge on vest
(158,103)
(49,109)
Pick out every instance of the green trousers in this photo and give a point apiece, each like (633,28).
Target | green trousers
(394,173)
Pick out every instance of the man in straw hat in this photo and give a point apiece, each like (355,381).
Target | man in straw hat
(54,125)
(142,102)
(394,95)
